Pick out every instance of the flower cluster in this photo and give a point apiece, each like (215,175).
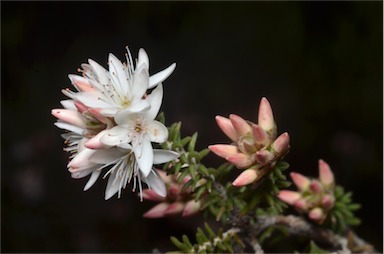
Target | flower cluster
(178,200)
(314,196)
(255,147)
(110,124)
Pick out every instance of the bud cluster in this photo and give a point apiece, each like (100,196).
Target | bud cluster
(314,196)
(255,147)
(178,199)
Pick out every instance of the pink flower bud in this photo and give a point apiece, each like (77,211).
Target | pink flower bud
(264,156)
(151,195)
(96,113)
(241,126)
(70,116)
(156,211)
(82,159)
(241,160)
(300,181)
(226,126)
(289,197)
(94,142)
(316,186)
(191,208)
(325,173)
(265,119)
(260,136)
(328,201)
(80,106)
(174,208)
(317,215)
(81,84)
(246,177)
(224,151)
(281,144)
(301,205)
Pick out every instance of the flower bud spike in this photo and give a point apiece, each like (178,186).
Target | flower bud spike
(227,127)
(174,208)
(94,142)
(301,205)
(264,157)
(80,106)
(260,136)
(241,160)
(224,151)
(151,195)
(241,126)
(300,181)
(289,197)
(70,116)
(328,201)
(317,215)
(281,144)
(157,211)
(191,208)
(246,177)
(325,173)
(265,118)
(316,186)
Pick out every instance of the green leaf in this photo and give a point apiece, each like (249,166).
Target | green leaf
(200,192)
(187,242)
(179,244)
(313,248)
(209,231)
(204,153)
(192,142)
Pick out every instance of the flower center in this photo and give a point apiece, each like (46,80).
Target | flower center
(126,102)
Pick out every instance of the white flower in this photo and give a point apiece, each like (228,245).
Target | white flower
(80,124)
(125,168)
(121,88)
(138,130)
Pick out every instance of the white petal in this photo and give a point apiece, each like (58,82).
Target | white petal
(117,73)
(107,156)
(140,83)
(161,76)
(112,186)
(81,160)
(115,136)
(92,99)
(139,105)
(127,118)
(161,156)
(109,112)
(92,179)
(155,99)
(143,154)
(143,58)
(68,104)
(76,174)
(157,132)
(69,127)
(100,72)
(156,184)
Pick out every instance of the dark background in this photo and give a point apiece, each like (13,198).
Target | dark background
(318,63)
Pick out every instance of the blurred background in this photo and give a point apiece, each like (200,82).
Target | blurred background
(320,64)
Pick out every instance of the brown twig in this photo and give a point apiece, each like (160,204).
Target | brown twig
(325,237)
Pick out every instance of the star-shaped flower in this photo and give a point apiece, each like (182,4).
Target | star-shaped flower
(121,88)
